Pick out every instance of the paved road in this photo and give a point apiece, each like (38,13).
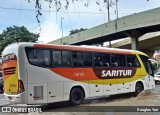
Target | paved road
(148,98)
(3,100)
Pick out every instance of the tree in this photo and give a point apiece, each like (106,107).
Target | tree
(16,34)
(76,31)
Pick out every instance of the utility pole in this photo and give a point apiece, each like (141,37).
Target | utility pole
(117,8)
(62,29)
(108,5)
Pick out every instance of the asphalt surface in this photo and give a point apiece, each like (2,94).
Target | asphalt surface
(3,101)
(147,98)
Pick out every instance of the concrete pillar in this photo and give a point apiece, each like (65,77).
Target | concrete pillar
(110,44)
(134,35)
(134,43)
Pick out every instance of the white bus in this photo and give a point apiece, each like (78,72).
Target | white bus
(41,73)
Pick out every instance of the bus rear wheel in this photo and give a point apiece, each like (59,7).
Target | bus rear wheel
(138,88)
(76,96)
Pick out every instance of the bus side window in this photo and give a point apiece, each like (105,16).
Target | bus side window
(74,59)
(135,61)
(132,61)
(31,55)
(57,58)
(66,58)
(129,62)
(98,60)
(106,60)
(122,60)
(87,58)
(80,59)
(114,60)
(39,57)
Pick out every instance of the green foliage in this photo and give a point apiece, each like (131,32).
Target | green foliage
(76,31)
(16,34)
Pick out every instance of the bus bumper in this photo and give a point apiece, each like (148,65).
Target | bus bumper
(13,99)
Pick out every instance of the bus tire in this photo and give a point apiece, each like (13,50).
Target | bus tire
(138,88)
(76,96)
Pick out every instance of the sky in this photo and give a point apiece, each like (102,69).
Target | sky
(52,23)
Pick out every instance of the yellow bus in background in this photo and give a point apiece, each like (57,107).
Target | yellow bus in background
(41,73)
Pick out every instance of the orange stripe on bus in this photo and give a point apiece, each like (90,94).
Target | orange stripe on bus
(11,63)
(78,74)
(61,47)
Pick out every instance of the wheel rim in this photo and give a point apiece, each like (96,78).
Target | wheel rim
(138,88)
(77,97)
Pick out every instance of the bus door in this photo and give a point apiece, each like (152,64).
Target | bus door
(149,79)
(151,82)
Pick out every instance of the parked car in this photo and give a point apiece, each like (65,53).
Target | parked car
(1,82)
(157,77)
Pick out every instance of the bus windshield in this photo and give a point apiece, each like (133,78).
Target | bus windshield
(147,65)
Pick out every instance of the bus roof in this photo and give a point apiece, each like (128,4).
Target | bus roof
(82,48)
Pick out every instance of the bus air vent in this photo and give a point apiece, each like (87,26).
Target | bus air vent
(9,71)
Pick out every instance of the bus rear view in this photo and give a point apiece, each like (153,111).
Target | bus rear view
(13,86)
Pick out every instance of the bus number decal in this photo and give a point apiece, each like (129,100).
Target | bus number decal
(78,74)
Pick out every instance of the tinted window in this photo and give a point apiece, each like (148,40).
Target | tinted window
(98,62)
(77,59)
(39,57)
(114,60)
(147,64)
(106,60)
(87,58)
(80,59)
(74,59)
(122,60)
(66,58)
(57,58)
(132,61)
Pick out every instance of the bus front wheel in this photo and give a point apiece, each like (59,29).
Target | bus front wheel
(138,88)
(76,96)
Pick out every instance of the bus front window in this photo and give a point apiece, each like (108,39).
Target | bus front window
(147,65)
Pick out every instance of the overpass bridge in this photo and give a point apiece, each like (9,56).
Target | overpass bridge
(132,26)
(148,43)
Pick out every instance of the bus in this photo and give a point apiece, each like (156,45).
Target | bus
(36,73)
